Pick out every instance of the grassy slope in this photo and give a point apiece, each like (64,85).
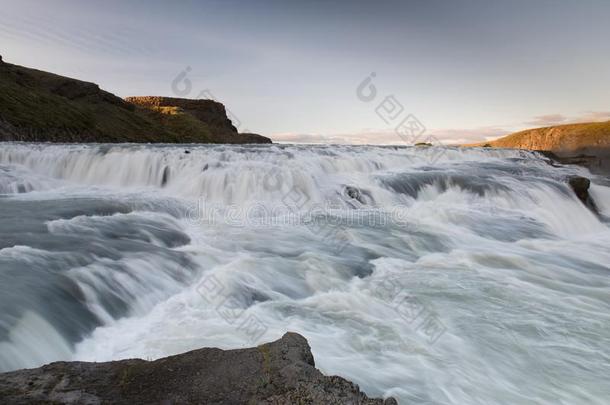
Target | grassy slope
(24,105)
(187,128)
(44,106)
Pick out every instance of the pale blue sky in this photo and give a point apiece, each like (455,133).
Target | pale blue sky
(465,69)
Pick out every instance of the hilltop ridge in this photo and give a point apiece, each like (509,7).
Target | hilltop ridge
(587,144)
(560,139)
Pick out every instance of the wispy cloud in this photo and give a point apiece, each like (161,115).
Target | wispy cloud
(380,137)
(594,116)
(461,136)
(389,137)
(47,31)
(558,119)
(546,120)
(445,136)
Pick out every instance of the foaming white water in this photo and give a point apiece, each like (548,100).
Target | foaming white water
(601,196)
(491,243)
(228,175)
(32,342)
(14,180)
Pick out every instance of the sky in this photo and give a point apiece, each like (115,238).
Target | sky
(335,71)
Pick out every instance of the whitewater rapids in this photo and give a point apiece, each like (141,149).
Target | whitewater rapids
(120,251)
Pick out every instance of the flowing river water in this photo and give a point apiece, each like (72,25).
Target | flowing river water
(454,276)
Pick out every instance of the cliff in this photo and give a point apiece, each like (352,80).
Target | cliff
(38,106)
(282,372)
(563,139)
(210,112)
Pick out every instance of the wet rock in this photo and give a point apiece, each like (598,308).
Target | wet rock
(357,194)
(580,185)
(581,160)
(352,192)
(281,372)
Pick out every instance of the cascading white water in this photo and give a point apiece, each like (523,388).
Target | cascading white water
(116,251)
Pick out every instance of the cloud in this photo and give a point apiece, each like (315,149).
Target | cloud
(389,137)
(547,120)
(380,137)
(594,116)
(449,136)
(557,119)
(461,136)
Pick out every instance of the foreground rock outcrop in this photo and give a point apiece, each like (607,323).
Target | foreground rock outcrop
(37,106)
(281,372)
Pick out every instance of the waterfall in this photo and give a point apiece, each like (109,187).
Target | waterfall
(120,251)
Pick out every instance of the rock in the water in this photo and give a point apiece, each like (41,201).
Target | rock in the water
(581,185)
(282,372)
(353,192)
(357,194)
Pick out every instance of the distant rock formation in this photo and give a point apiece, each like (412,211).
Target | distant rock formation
(38,106)
(561,139)
(586,144)
(282,372)
(210,112)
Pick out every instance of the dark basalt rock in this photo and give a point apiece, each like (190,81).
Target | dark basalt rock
(247,137)
(579,160)
(580,186)
(353,192)
(282,372)
(597,160)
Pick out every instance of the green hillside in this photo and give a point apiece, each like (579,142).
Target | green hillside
(44,107)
